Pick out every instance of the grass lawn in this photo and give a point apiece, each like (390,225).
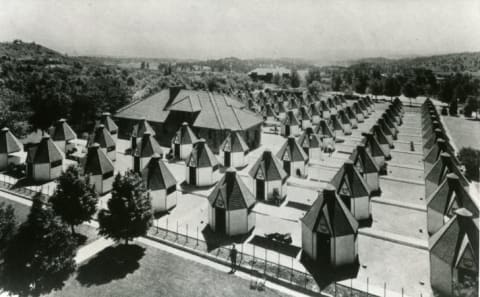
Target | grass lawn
(464,132)
(21,210)
(146,271)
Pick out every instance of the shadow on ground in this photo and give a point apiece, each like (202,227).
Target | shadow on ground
(282,248)
(324,274)
(110,264)
(215,240)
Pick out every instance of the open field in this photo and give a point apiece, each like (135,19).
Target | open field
(464,132)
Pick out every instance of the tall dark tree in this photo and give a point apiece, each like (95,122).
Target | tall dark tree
(336,82)
(410,91)
(314,87)
(391,87)
(129,212)
(376,87)
(470,157)
(40,257)
(295,79)
(361,83)
(74,200)
(313,74)
(7,226)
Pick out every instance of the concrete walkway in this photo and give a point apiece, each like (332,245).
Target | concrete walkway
(395,238)
(90,250)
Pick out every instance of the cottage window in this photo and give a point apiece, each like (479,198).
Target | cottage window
(171,190)
(56,163)
(110,149)
(107,175)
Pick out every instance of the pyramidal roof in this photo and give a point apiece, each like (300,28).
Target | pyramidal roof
(451,195)
(62,131)
(313,110)
(148,146)
(291,151)
(379,135)
(109,124)
(8,142)
(97,162)
(349,111)
(356,108)
(329,215)
(309,139)
(323,105)
(323,130)
(201,156)
(185,135)
(435,151)
(268,167)
(384,127)
(303,113)
(290,119)
(371,142)
(231,193)
(442,167)
(234,143)
(157,176)
(363,160)
(348,181)
(456,243)
(343,117)
(142,127)
(46,152)
(103,137)
(334,122)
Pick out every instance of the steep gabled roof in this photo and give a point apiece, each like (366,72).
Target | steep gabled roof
(372,144)
(201,156)
(148,146)
(329,215)
(334,122)
(439,147)
(323,130)
(268,167)
(142,127)
(363,160)
(185,135)
(457,240)
(234,143)
(62,131)
(379,135)
(313,110)
(157,176)
(8,142)
(109,124)
(348,181)
(323,105)
(309,139)
(290,119)
(442,167)
(385,129)
(102,137)
(302,113)
(343,117)
(291,151)
(46,152)
(231,193)
(97,162)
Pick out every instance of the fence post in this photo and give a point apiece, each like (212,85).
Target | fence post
(402,291)
(197,235)
(241,252)
(351,289)
(367,286)
(176,233)
(291,270)
(167,226)
(253,260)
(156,225)
(187,234)
(278,265)
(335,289)
(265,268)
(384,289)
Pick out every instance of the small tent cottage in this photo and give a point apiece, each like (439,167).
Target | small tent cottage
(293,157)
(182,142)
(311,144)
(231,206)
(367,167)
(106,141)
(233,150)
(146,148)
(99,168)
(329,231)
(201,165)
(44,161)
(9,144)
(161,184)
(290,125)
(109,124)
(63,135)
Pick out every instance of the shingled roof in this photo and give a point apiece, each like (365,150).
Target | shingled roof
(109,124)
(97,162)
(329,215)
(157,176)
(291,151)
(269,167)
(201,156)
(348,181)
(141,127)
(371,142)
(210,110)
(231,193)
(62,131)
(309,139)
(148,146)
(185,135)
(46,152)
(290,119)
(442,167)
(361,158)
(457,240)
(8,142)
(234,142)
(102,137)
(323,130)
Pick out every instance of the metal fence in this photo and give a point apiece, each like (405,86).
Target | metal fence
(10,184)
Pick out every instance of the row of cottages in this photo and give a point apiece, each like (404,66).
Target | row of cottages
(231,203)
(293,157)
(330,231)
(210,115)
(452,213)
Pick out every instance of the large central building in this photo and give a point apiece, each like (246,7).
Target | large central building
(211,116)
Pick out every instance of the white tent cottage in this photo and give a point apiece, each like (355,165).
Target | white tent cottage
(139,128)
(353,191)
(311,144)
(44,161)
(345,121)
(146,148)
(231,206)
(329,231)
(304,117)
(182,142)
(268,175)
(62,134)
(106,141)
(9,144)
(109,124)
(367,167)
(201,165)
(290,125)
(233,151)
(161,184)
(293,157)
(99,168)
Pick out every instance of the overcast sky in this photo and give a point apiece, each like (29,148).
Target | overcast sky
(313,29)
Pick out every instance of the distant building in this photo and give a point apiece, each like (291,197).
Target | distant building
(210,115)
(267,74)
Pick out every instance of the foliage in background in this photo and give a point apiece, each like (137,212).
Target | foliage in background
(8,225)
(470,157)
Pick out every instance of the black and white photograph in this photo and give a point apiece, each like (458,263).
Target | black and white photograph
(224,148)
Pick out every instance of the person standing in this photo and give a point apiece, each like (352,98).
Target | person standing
(233,258)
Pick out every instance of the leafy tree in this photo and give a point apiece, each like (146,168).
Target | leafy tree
(376,87)
(294,79)
(336,82)
(313,74)
(470,157)
(74,200)
(410,91)
(7,226)
(391,87)
(276,78)
(129,212)
(361,83)
(40,257)
(471,106)
(453,107)
(315,87)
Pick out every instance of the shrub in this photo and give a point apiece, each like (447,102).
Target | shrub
(471,159)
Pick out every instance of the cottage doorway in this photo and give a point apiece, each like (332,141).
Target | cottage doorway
(286,167)
(287,130)
(177,150)
(220,220)
(260,189)
(193,175)
(323,247)
(227,159)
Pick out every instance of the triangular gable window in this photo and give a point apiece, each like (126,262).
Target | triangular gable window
(228,146)
(345,188)
(260,174)
(220,202)
(452,205)
(286,156)
(359,166)
(467,260)
(192,162)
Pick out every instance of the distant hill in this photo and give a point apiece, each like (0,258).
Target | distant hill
(27,50)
